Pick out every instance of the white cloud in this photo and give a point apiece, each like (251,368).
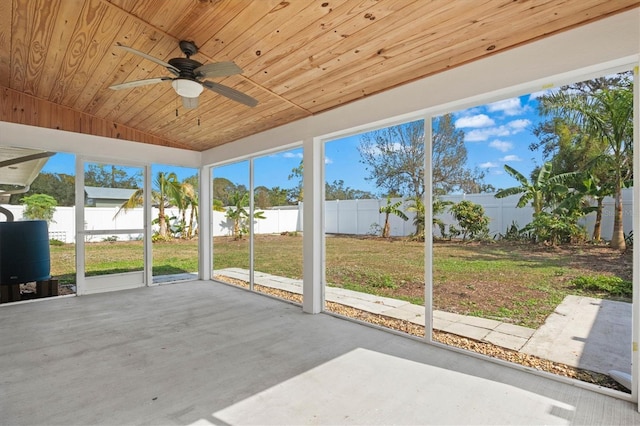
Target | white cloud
(502,146)
(480,135)
(327,160)
(519,125)
(292,155)
(488,165)
(479,120)
(507,158)
(507,107)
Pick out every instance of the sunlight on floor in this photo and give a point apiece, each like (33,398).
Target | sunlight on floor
(383,389)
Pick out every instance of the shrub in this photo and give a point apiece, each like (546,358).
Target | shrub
(613,286)
(555,229)
(39,206)
(471,219)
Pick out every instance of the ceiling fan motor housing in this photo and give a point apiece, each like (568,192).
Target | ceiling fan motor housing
(186,67)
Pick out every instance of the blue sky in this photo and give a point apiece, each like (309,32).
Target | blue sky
(495,134)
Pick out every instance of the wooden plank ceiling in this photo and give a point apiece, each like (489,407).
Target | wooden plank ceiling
(58,57)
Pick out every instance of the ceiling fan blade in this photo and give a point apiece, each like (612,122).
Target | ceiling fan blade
(217,69)
(230,93)
(137,83)
(167,65)
(189,103)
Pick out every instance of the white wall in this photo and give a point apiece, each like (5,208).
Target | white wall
(355,217)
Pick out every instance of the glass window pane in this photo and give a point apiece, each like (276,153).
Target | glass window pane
(175,222)
(230,223)
(277,244)
(374,227)
(529,262)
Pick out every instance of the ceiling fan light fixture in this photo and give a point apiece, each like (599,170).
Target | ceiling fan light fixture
(187,88)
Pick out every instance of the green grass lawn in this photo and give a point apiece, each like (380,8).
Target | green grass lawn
(521,284)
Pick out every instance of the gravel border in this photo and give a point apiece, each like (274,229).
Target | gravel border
(450,339)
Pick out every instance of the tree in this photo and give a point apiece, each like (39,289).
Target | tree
(449,158)
(604,111)
(471,219)
(58,185)
(110,176)
(168,188)
(296,194)
(538,191)
(394,158)
(571,150)
(39,207)
(186,198)
(238,213)
(337,191)
(391,209)
(223,188)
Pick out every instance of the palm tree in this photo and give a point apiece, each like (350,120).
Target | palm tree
(419,220)
(168,188)
(238,213)
(605,113)
(544,189)
(388,210)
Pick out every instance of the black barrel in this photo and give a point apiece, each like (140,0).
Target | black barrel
(24,252)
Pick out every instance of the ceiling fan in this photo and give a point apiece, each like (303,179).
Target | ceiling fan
(189,76)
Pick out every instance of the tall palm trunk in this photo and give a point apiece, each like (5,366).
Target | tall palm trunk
(596,236)
(617,239)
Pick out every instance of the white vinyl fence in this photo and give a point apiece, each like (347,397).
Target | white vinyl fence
(357,217)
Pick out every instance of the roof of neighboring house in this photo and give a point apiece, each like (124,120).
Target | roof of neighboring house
(108,193)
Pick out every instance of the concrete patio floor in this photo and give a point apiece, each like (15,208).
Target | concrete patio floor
(202,353)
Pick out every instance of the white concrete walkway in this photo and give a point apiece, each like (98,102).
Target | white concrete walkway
(583,332)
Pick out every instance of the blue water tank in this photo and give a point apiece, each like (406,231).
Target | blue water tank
(24,252)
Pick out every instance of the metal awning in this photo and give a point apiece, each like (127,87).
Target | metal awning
(19,167)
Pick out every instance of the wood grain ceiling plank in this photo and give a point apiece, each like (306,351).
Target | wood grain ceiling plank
(363,47)
(215,39)
(161,14)
(274,27)
(68,14)
(106,74)
(18,107)
(42,31)
(297,40)
(416,49)
(123,105)
(370,81)
(131,67)
(126,5)
(23,11)
(108,27)
(81,40)
(203,21)
(6,17)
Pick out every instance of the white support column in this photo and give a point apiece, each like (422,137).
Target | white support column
(428,230)
(313,227)
(79,237)
(251,226)
(205,236)
(635,316)
(148,231)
